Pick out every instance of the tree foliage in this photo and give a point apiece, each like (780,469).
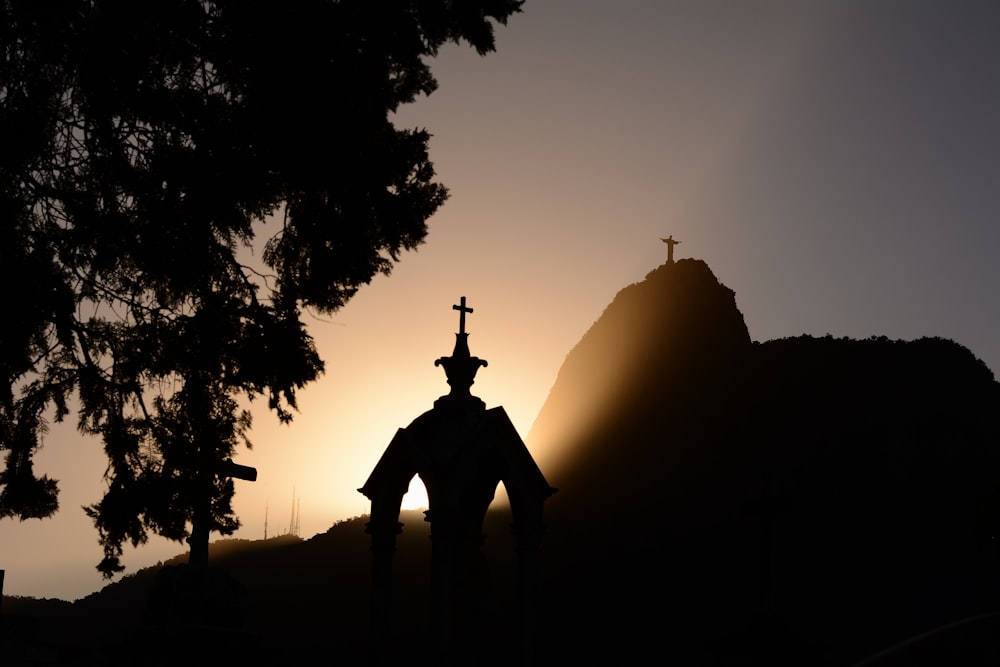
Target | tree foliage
(180,179)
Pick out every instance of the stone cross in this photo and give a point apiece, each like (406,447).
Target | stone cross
(200,531)
(461,318)
(230,469)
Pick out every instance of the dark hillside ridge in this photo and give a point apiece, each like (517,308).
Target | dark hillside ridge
(803,501)
(300,599)
(798,501)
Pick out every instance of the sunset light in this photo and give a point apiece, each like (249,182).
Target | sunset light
(829,172)
(683,314)
(416,497)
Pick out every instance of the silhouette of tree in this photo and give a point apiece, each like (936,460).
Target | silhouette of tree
(179,181)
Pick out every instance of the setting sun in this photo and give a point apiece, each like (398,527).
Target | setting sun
(416,497)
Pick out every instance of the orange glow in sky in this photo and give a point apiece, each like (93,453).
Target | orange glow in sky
(836,163)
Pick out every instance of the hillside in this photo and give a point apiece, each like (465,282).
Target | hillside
(297,598)
(803,501)
(797,501)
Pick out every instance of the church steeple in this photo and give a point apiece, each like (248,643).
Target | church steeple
(462,452)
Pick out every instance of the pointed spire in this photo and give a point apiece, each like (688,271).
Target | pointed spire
(461,366)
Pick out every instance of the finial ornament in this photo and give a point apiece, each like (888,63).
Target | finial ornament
(461,366)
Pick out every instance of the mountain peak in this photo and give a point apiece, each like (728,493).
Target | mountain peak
(747,486)
(679,325)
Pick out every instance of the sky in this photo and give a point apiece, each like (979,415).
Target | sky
(835,162)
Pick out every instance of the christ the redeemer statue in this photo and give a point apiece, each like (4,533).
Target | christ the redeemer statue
(670,248)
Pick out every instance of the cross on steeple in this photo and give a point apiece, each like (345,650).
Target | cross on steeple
(462,310)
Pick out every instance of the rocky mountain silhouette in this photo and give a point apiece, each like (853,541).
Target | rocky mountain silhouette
(797,501)
(803,501)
